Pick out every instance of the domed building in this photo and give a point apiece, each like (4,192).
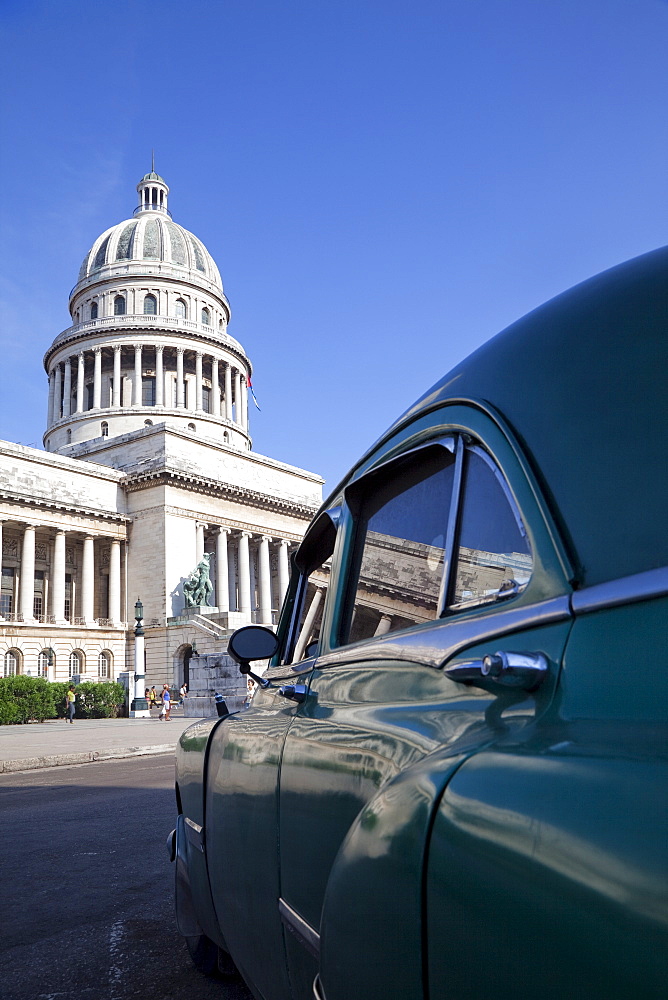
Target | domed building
(148,336)
(148,476)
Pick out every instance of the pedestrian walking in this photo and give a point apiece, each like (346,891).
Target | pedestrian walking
(183,691)
(70,702)
(166,702)
(153,697)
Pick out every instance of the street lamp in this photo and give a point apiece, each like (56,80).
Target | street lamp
(139,708)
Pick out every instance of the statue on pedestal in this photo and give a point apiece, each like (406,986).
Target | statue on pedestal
(198,588)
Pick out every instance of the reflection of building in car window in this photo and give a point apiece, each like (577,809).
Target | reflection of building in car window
(311,618)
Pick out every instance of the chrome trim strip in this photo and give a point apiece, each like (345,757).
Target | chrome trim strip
(195,834)
(318,992)
(624,590)
(437,641)
(304,933)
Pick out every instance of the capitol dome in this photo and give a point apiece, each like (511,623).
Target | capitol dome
(150,237)
(148,341)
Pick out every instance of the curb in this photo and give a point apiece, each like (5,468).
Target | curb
(84,757)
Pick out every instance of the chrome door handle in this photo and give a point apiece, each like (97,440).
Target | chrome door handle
(518,670)
(295,692)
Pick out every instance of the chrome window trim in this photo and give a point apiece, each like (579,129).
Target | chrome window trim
(305,934)
(623,590)
(433,643)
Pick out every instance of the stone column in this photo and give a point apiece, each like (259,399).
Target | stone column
(308,624)
(58,579)
(244,574)
(264,569)
(1,523)
(52,390)
(384,625)
(283,570)
(222,571)
(232,578)
(237,396)
(57,394)
(215,388)
(244,404)
(97,378)
(27,587)
(118,382)
(80,382)
(67,388)
(88,580)
(159,376)
(228,391)
(199,542)
(198,380)
(136,387)
(114,610)
(179,377)
(252,549)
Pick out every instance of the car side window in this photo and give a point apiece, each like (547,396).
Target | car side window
(492,557)
(400,548)
(435,534)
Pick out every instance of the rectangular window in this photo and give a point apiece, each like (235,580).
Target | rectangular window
(148,390)
(38,595)
(206,399)
(68,597)
(89,396)
(7,591)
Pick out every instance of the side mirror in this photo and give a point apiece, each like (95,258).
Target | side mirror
(252,642)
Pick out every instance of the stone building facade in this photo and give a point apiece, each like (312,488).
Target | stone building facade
(148,464)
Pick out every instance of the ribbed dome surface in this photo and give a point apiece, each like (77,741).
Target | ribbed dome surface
(150,238)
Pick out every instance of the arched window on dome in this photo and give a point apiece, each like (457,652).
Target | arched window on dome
(148,423)
(226,438)
(206,317)
(150,305)
(93,310)
(181,309)
(119,305)
(104,427)
(191,427)
(220,324)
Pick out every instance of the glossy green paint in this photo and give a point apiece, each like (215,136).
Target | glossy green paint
(452,841)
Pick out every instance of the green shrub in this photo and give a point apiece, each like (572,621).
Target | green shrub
(27,699)
(99,701)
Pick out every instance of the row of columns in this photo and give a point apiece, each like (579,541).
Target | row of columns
(235,585)
(57,577)
(224,378)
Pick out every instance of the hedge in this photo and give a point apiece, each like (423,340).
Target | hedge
(34,699)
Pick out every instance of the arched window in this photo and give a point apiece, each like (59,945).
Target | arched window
(119,305)
(220,324)
(105,429)
(45,660)
(191,427)
(69,435)
(104,664)
(12,662)
(93,311)
(76,662)
(150,305)
(206,316)
(148,423)
(181,309)
(226,438)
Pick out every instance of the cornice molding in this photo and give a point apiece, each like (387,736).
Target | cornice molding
(9,496)
(213,487)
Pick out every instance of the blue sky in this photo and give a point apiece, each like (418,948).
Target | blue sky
(384,184)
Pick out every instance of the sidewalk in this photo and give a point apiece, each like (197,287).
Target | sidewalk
(56,742)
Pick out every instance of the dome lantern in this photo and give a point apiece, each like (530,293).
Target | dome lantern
(153,192)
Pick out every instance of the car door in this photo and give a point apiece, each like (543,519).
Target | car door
(445,555)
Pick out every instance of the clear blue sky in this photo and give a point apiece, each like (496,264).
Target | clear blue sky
(384,184)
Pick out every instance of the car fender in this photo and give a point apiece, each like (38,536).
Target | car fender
(373,906)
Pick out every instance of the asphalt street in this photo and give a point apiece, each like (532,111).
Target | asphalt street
(87,887)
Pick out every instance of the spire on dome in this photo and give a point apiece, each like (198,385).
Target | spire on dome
(153,191)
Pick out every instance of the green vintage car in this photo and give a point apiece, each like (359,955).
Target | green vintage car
(451,780)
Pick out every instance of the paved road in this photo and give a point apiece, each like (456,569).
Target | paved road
(86,895)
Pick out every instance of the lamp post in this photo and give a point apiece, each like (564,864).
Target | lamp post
(139,708)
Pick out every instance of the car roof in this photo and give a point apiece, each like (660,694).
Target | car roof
(582,383)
